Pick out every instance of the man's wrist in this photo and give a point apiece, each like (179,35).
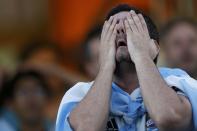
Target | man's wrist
(142,59)
(107,68)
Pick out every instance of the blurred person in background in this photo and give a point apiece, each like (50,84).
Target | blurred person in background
(28,93)
(41,52)
(48,58)
(179,38)
(90,51)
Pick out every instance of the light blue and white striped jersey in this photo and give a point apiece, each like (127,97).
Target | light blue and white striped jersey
(127,111)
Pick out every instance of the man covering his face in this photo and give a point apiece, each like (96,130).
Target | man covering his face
(130,93)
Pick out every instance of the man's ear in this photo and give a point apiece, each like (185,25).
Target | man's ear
(157,46)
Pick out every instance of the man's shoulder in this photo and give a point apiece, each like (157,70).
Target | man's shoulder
(80,87)
(165,72)
(77,92)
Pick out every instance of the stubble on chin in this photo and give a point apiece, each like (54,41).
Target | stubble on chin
(124,64)
(122,56)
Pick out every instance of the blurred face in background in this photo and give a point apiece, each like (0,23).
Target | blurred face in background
(29,100)
(180,46)
(92,66)
(46,60)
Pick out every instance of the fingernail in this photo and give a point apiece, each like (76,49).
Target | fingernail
(132,12)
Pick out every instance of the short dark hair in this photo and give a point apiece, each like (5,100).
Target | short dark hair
(8,92)
(152,28)
(34,45)
(166,29)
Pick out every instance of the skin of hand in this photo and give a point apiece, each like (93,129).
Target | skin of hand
(139,42)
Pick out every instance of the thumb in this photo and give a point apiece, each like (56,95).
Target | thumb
(154,48)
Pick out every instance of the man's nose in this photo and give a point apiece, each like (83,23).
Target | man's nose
(120,28)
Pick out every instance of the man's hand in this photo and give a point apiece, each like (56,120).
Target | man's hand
(107,47)
(140,44)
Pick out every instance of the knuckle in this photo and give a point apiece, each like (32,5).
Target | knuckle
(136,18)
(127,27)
(111,28)
(107,24)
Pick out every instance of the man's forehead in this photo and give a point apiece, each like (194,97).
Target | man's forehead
(121,15)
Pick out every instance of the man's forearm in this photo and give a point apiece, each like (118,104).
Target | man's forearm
(162,102)
(92,112)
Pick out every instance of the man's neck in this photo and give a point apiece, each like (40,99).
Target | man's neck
(126,77)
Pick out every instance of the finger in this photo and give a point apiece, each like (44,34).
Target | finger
(122,23)
(111,28)
(103,30)
(127,27)
(145,28)
(114,33)
(106,26)
(109,23)
(132,24)
(136,21)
